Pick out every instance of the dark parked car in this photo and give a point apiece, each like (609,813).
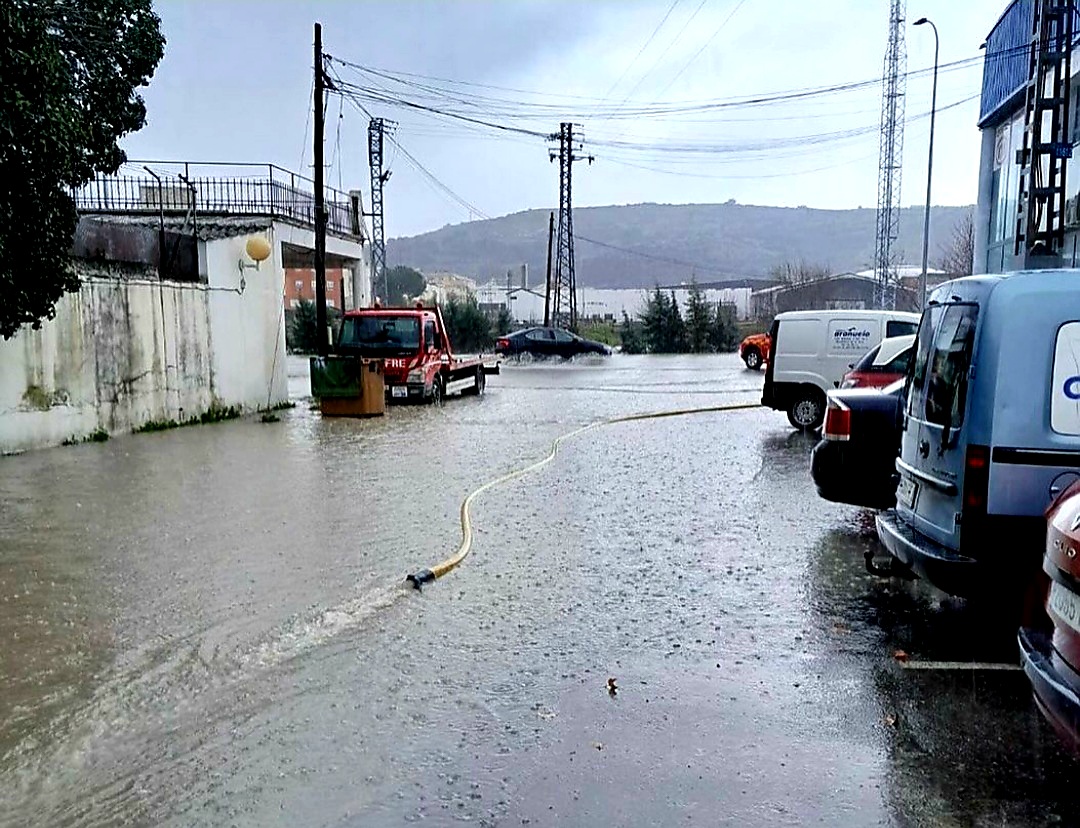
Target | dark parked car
(855,462)
(545,342)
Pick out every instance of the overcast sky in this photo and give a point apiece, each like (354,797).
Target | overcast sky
(235,85)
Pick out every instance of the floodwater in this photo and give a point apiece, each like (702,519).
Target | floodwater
(208,626)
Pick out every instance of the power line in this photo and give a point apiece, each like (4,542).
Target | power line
(440,103)
(704,46)
(663,54)
(644,46)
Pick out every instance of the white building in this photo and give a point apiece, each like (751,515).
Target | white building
(527,304)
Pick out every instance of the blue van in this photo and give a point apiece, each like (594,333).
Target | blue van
(991,429)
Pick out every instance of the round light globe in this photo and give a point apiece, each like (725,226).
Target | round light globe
(258,248)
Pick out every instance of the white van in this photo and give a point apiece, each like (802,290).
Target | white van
(812,350)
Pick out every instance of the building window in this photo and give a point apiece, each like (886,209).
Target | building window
(313,284)
(299,286)
(330,303)
(294,303)
(329,284)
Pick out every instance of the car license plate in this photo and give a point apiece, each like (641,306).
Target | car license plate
(399,391)
(907,492)
(1066,605)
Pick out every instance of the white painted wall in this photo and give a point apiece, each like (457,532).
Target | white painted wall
(247,330)
(125,351)
(118,354)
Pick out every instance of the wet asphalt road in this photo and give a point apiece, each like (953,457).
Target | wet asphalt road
(207,627)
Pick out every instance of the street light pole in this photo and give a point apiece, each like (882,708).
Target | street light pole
(929,168)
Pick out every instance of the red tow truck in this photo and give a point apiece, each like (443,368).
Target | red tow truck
(419,364)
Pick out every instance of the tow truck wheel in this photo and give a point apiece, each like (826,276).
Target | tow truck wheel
(478,387)
(437,391)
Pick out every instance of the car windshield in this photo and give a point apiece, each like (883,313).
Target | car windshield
(379,333)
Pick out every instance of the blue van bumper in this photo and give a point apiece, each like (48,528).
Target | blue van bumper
(1056,699)
(948,571)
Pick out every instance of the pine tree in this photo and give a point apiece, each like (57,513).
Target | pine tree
(303,329)
(699,320)
(724,329)
(653,321)
(632,335)
(676,328)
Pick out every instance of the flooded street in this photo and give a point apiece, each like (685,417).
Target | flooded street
(208,626)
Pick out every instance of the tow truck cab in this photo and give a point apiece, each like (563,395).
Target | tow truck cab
(418,362)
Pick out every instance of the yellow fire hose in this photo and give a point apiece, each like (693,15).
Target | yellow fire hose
(426,576)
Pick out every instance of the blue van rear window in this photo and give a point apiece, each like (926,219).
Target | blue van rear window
(942,362)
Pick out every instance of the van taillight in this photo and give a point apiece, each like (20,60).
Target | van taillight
(837,421)
(976,478)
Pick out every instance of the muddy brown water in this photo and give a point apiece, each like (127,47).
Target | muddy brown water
(208,627)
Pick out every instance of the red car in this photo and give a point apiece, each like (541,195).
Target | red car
(1051,657)
(882,365)
(755,350)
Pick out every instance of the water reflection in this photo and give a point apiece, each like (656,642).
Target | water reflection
(965,747)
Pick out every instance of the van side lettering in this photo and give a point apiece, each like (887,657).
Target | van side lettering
(1072,388)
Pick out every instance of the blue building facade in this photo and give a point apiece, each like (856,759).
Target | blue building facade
(1001,125)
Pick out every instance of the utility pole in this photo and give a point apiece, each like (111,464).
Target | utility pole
(320,207)
(1040,214)
(564,286)
(547,288)
(890,157)
(376,132)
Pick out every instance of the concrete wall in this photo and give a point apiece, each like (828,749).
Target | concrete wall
(128,349)
(119,353)
(247,330)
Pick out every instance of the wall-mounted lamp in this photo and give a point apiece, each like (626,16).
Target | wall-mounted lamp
(258,250)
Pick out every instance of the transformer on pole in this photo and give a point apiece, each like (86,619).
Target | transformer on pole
(890,158)
(563,285)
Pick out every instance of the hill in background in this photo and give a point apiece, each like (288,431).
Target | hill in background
(711,241)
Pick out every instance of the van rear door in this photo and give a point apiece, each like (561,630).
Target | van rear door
(932,454)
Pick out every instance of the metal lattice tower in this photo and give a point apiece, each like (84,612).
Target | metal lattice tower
(1040,215)
(376,129)
(890,158)
(564,284)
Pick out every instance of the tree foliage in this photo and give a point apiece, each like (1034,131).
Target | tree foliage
(403,284)
(632,335)
(699,320)
(661,328)
(303,327)
(70,71)
(468,326)
(503,322)
(724,328)
(958,255)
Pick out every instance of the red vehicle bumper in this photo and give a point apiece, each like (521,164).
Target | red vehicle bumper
(1054,684)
